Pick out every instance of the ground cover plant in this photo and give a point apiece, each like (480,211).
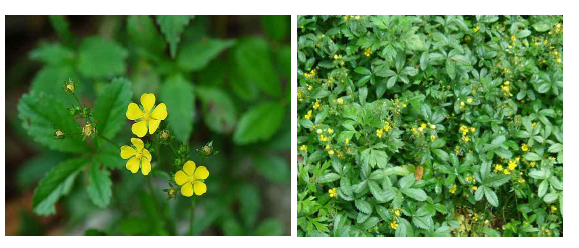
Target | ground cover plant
(151,125)
(430,125)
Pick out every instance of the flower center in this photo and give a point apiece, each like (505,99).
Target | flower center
(191,178)
(146,116)
(139,155)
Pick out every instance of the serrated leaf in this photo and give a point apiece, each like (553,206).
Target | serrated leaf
(145,37)
(219,111)
(259,123)
(56,183)
(378,193)
(363,206)
(531,156)
(172,26)
(100,186)
(250,203)
(497,180)
(177,94)
(543,187)
(551,197)
(111,106)
(491,196)
(52,53)
(416,194)
(196,55)
(100,58)
(41,115)
(328,177)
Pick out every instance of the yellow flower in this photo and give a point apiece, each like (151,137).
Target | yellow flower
(453,189)
(466,139)
(414,130)
(397,212)
(139,157)
(474,188)
(340,100)
(469,100)
(423,126)
(394,225)
(331,152)
(532,164)
(475,28)
(472,129)
(506,171)
(191,179)
(432,137)
(317,104)
(303,148)
(521,181)
(475,217)
(379,133)
(319,131)
(333,192)
(534,124)
(553,208)
(347,141)
(432,126)
(150,118)
(308,115)
(462,104)
(512,165)
(498,167)
(330,131)
(69,86)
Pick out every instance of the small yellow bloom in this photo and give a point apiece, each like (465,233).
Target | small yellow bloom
(474,188)
(553,208)
(462,104)
(69,86)
(340,100)
(347,141)
(423,125)
(512,165)
(139,157)
(432,137)
(397,212)
(308,115)
(521,181)
(453,189)
(379,133)
(331,152)
(150,118)
(498,167)
(333,192)
(303,148)
(469,100)
(330,131)
(532,164)
(394,225)
(87,130)
(472,129)
(432,126)
(191,179)
(506,171)
(319,131)
(317,104)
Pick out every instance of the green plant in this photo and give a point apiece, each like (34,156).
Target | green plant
(430,125)
(167,86)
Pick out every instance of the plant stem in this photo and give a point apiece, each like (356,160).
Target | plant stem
(193,199)
(108,140)
(150,186)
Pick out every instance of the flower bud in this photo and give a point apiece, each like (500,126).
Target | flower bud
(165,135)
(87,130)
(69,86)
(178,161)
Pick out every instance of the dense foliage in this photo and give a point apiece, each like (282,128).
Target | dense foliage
(227,87)
(430,125)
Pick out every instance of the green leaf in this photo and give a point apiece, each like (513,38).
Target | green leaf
(100,58)
(56,183)
(195,56)
(54,53)
(543,187)
(441,154)
(479,193)
(259,123)
(363,71)
(328,177)
(144,36)
(498,180)
(109,156)
(111,106)
(542,26)
(62,28)
(49,80)
(551,197)
(378,193)
(172,26)
(414,42)
(531,156)
(523,33)
(252,57)
(100,186)
(269,227)
(363,206)
(177,94)
(41,115)
(416,194)
(491,196)
(273,168)
(219,112)
(277,27)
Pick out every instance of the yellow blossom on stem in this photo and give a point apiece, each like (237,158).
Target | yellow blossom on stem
(394,225)
(138,157)
(331,152)
(308,115)
(333,192)
(191,179)
(432,137)
(303,148)
(149,117)
(379,133)
(330,131)
(340,101)
(498,168)
(453,189)
(469,100)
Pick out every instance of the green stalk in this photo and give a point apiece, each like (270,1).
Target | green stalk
(193,199)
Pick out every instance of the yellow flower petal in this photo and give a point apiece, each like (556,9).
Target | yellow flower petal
(138,143)
(140,128)
(160,112)
(200,188)
(181,178)
(133,165)
(145,166)
(187,189)
(147,155)
(153,125)
(134,112)
(127,152)
(148,101)
(201,173)
(189,168)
